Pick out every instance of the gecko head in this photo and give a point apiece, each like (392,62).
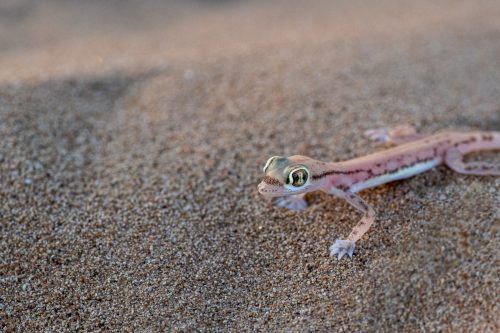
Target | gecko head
(287,176)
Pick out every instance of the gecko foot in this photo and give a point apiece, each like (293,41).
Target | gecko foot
(292,202)
(342,247)
(397,135)
(377,134)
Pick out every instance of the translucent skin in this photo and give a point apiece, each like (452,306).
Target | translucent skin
(415,154)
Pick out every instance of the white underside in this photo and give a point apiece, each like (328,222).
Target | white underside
(401,174)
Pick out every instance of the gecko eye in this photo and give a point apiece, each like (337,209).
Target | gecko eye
(298,177)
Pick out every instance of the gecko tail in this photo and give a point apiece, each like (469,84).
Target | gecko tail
(491,140)
(496,139)
(481,141)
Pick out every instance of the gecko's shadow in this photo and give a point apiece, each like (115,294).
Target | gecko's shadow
(55,117)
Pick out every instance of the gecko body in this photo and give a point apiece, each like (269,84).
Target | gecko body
(290,178)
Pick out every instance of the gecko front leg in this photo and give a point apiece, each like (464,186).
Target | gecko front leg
(292,202)
(346,246)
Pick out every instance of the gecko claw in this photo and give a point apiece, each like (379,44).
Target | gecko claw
(342,247)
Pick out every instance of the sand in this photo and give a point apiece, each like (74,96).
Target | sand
(133,135)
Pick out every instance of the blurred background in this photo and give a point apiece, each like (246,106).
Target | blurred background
(132,139)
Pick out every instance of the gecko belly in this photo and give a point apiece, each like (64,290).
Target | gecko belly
(401,173)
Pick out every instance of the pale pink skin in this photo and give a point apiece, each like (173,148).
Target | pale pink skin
(414,154)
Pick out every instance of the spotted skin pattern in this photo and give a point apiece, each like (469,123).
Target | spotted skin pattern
(290,178)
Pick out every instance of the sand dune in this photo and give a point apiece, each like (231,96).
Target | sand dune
(133,135)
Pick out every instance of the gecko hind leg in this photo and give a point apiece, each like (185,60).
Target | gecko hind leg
(292,202)
(396,135)
(454,159)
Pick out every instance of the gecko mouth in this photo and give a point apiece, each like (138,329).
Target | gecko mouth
(269,190)
(272,191)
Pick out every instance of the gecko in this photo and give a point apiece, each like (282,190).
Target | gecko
(288,179)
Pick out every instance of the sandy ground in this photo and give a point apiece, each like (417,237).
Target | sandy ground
(132,138)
